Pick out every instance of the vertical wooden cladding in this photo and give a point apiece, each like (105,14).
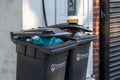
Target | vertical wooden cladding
(114,51)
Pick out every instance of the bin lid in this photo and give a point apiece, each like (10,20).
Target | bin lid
(66,25)
(45,32)
(83,39)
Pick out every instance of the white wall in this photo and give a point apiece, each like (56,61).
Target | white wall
(10,20)
(17,15)
(33,13)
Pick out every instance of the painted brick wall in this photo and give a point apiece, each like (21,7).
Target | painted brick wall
(96,43)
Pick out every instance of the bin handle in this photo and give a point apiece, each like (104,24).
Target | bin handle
(47,32)
(13,36)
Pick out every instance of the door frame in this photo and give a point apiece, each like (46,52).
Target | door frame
(89,22)
(104,40)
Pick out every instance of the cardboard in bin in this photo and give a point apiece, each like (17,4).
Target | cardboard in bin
(70,26)
(79,32)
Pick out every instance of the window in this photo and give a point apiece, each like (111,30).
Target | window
(71,7)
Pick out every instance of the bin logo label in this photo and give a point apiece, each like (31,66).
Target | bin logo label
(57,66)
(81,56)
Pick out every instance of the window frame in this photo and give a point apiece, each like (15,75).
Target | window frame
(76,15)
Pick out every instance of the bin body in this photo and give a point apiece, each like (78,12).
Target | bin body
(78,57)
(35,64)
(77,62)
(53,63)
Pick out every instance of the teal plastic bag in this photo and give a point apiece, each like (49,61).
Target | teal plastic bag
(47,41)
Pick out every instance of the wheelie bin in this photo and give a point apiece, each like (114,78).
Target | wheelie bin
(78,57)
(35,62)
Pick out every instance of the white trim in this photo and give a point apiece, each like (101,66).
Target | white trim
(85,17)
(90,25)
(61,13)
(73,17)
(90,78)
(77,14)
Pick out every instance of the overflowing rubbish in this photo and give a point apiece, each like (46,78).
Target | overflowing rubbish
(79,34)
(42,54)
(78,57)
(41,36)
(59,52)
(46,41)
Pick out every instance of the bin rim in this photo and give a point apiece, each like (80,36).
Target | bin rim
(83,39)
(50,49)
(66,25)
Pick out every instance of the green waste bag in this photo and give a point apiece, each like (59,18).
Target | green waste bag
(47,41)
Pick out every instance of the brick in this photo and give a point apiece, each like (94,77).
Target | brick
(97,33)
(96,9)
(96,71)
(96,0)
(96,76)
(97,37)
(96,24)
(96,52)
(96,14)
(96,3)
(96,19)
(96,61)
(96,68)
(97,27)
(96,41)
(95,56)
(96,30)
(96,44)
(96,64)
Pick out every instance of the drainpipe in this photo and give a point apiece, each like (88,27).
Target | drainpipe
(44,13)
(55,11)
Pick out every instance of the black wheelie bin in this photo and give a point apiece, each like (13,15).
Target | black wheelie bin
(78,57)
(35,62)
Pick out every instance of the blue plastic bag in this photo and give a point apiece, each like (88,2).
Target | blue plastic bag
(46,41)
